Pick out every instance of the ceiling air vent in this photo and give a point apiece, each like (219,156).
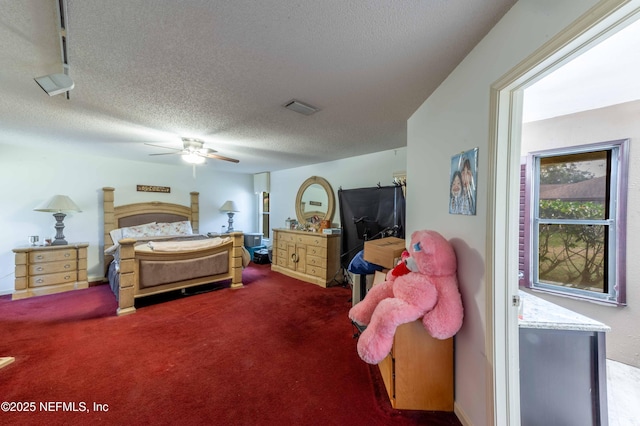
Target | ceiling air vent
(300,107)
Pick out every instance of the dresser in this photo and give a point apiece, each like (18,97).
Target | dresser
(308,256)
(418,373)
(50,269)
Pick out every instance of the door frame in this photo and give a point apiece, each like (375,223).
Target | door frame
(506,99)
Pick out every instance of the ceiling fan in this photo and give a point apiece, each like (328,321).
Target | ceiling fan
(193,151)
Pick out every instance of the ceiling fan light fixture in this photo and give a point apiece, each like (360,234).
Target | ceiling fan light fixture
(193,158)
(192,143)
(193,152)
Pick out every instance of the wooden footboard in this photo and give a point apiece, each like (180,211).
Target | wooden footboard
(132,263)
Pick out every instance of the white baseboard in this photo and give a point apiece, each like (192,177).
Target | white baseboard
(461,416)
(97,279)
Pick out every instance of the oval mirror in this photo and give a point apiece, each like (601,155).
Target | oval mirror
(315,201)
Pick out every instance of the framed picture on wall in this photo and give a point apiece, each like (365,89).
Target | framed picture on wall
(462,183)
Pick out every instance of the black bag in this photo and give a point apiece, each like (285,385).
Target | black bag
(261,257)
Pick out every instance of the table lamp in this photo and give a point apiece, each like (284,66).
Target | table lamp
(230,208)
(58,204)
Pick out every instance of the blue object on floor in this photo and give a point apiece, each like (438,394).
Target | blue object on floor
(360,266)
(252,250)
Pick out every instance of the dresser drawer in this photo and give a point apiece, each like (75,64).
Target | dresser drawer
(316,271)
(51,279)
(312,240)
(317,251)
(52,267)
(318,261)
(52,256)
(286,238)
(281,254)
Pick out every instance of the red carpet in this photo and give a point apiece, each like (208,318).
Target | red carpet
(278,351)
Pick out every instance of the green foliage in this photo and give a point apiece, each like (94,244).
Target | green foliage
(562,174)
(557,209)
(572,255)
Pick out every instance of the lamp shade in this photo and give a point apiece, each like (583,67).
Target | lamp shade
(229,206)
(58,203)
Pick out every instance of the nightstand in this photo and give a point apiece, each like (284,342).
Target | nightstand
(49,269)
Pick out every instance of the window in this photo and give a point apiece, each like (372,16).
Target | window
(575,221)
(261,189)
(264,213)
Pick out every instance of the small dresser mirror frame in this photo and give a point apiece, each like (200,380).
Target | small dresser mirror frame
(323,212)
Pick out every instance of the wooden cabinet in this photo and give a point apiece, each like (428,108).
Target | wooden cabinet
(50,269)
(563,377)
(418,373)
(308,256)
(563,365)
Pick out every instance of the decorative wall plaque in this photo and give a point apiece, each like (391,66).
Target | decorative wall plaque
(153,188)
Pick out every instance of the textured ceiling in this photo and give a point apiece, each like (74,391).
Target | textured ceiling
(157,70)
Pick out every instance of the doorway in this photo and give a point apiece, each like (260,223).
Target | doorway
(507,96)
(592,99)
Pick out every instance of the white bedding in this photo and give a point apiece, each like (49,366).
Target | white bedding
(169,246)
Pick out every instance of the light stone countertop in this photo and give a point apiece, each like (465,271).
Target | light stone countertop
(539,313)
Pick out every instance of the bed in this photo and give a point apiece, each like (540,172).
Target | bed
(155,247)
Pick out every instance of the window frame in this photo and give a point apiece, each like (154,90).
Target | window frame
(616,252)
(264,216)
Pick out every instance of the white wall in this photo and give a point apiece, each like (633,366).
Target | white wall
(357,172)
(604,124)
(453,119)
(30,177)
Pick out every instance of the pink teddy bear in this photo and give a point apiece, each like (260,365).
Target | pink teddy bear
(425,287)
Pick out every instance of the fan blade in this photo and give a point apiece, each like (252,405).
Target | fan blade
(206,151)
(165,147)
(169,153)
(220,157)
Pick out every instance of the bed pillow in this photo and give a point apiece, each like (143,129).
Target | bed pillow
(175,228)
(146,230)
(116,235)
(181,228)
(164,229)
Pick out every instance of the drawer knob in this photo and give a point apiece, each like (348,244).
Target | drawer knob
(39,268)
(67,254)
(67,266)
(39,256)
(39,280)
(66,277)
(294,257)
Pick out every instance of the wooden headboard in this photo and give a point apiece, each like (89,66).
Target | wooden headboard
(140,213)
